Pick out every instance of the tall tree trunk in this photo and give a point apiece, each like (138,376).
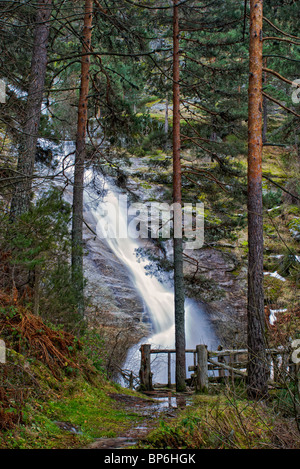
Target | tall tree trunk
(22,190)
(177,249)
(80,156)
(257,369)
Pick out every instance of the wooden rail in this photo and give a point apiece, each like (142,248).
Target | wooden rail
(216,365)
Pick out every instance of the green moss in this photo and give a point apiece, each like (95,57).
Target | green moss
(93,411)
(269,230)
(273,288)
(211,217)
(293,209)
(216,422)
(87,407)
(151,103)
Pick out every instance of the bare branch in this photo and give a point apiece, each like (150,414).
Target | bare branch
(279,30)
(282,39)
(280,104)
(276,74)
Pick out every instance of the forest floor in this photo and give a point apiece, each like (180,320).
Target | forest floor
(52,397)
(161,406)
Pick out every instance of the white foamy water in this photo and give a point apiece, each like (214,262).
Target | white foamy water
(110,215)
(111,218)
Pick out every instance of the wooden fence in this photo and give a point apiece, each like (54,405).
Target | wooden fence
(217,365)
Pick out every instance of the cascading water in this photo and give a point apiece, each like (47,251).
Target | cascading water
(110,215)
(111,218)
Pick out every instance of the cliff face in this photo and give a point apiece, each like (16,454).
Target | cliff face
(216,274)
(114,306)
(109,285)
(215,278)
(219,280)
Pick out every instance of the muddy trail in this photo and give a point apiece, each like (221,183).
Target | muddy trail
(161,405)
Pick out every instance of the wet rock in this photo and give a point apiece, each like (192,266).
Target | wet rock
(109,285)
(111,443)
(221,283)
(68,427)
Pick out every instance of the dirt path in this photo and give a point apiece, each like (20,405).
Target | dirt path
(161,405)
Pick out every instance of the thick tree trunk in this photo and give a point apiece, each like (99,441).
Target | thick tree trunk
(257,364)
(178,254)
(22,191)
(80,156)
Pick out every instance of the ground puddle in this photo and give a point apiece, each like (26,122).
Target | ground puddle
(158,405)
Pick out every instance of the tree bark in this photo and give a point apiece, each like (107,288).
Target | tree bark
(177,203)
(80,156)
(257,364)
(22,190)
(145,368)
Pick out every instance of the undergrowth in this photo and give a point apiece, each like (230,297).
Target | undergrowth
(51,393)
(225,421)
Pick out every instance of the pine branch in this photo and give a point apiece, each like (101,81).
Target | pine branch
(206,173)
(276,74)
(279,30)
(280,104)
(110,54)
(282,39)
(280,187)
(280,57)
(147,7)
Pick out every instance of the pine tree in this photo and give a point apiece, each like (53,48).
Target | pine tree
(80,157)
(177,241)
(257,365)
(22,192)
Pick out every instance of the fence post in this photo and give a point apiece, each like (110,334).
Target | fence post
(276,373)
(232,361)
(169,370)
(131,380)
(202,368)
(221,359)
(145,369)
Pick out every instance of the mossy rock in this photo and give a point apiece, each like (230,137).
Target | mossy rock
(273,288)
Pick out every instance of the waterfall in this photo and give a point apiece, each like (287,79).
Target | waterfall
(110,216)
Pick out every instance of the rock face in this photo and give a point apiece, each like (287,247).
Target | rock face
(217,279)
(109,286)
(213,277)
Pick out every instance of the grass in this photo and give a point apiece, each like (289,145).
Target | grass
(87,407)
(49,382)
(93,411)
(224,421)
